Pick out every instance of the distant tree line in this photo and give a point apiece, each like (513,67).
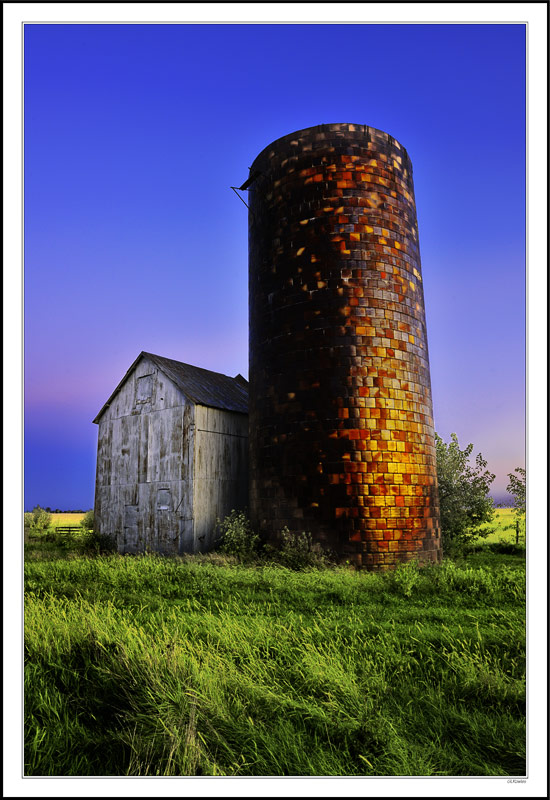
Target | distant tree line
(60,510)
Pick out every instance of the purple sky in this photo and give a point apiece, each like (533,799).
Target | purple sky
(134,241)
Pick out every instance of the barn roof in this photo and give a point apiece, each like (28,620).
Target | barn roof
(200,386)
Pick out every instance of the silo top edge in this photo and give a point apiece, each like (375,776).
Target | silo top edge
(335,127)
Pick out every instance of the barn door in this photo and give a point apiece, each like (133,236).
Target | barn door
(130,529)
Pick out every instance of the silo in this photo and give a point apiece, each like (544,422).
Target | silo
(341,426)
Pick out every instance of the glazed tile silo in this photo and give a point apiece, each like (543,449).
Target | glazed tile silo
(341,425)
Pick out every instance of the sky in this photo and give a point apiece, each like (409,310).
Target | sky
(133,136)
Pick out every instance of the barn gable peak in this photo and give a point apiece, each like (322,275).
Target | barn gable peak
(200,386)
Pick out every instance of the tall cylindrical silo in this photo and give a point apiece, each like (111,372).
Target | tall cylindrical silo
(341,426)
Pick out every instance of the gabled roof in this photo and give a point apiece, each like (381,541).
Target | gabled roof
(200,386)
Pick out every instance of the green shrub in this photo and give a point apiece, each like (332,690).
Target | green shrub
(27,521)
(405,577)
(236,536)
(41,519)
(298,551)
(87,521)
(99,544)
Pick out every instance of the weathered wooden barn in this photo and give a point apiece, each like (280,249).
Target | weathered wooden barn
(172,456)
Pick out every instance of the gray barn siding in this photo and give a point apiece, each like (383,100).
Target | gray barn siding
(220,469)
(166,468)
(145,450)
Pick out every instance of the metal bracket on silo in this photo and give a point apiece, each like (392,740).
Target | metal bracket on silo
(251,178)
(236,190)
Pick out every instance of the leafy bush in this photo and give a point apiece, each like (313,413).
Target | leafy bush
(236,536)
(298,551)
(27,522)
(100,544)
(405,577)
(87,520)
(41,519)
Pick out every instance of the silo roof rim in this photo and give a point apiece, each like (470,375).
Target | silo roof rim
(323,128)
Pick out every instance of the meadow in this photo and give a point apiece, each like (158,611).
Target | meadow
(66,518)
(503,527)
(143,665)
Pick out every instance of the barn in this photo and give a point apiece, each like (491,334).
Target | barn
(172,456)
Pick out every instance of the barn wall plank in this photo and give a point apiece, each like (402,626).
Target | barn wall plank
(220,470)
(144,478)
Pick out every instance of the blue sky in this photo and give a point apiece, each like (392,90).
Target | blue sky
(134,240)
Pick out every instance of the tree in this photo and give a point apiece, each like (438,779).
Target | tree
(516,488)
(464,500)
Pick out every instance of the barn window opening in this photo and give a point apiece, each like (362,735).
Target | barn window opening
(164,500)
(144,391)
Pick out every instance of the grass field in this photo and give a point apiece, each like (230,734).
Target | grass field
(66,519)
(197,666)
(503,527)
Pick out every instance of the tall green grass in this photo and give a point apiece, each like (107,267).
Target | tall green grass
(152,666)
